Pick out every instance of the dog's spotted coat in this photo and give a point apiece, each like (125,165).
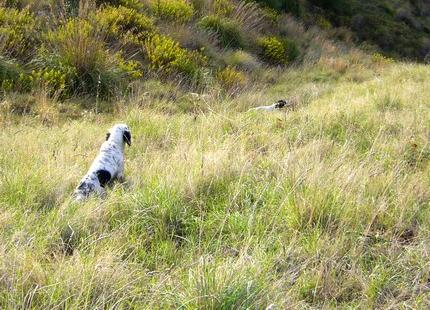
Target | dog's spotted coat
(108,165)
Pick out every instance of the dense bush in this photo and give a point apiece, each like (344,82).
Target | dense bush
(132,68)
(19,32)
(80,46)
(167,55)
(277,51)
(228,31)
(174,10)
(124,23)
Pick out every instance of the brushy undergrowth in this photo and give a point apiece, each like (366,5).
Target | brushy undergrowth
(100,49)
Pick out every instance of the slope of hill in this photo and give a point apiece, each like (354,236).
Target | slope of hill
(322,206)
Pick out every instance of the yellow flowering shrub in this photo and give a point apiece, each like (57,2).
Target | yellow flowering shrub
(167,55)
(175,10)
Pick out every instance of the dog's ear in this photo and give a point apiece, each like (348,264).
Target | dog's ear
(127,137)
(107,136)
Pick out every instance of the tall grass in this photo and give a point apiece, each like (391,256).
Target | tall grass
(324,206)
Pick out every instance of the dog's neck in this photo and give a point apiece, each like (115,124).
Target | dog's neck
(117,139)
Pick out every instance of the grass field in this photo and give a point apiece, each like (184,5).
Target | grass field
(321,207)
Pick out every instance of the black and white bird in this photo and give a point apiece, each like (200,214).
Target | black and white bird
(108,165)
(278,105)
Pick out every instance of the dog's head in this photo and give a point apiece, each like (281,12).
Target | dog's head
(281,103)
(120,134)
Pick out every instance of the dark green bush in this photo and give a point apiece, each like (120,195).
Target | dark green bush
(294,7)
(228,31)
(337,5)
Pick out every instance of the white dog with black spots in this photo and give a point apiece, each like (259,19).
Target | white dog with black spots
(278,105)
(108,165)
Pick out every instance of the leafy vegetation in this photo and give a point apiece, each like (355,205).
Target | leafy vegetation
(230,78)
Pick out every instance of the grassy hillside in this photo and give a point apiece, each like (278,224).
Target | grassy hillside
(323,206)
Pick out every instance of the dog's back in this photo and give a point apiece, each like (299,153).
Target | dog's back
(108,165)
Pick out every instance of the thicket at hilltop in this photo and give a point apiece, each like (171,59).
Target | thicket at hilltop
(74,48)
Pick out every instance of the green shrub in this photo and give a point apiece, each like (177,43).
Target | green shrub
(166,55)
(277,51)
(231,79)
(228,31)
(174,10)
(80,46)
(18,32)
(124,23)
(323,22)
